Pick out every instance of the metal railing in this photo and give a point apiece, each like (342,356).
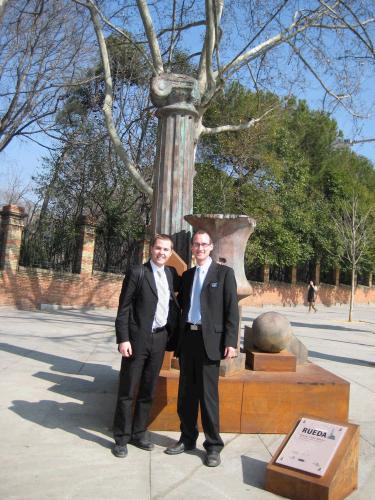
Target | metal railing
(52,250)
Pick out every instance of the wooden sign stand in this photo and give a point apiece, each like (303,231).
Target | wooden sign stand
(339,480)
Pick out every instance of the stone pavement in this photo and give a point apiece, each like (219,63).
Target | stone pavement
(58,388)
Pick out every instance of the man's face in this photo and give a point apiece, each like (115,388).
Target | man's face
(161,251)
(201,248)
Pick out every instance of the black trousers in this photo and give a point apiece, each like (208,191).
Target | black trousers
(198,386)
(140,371)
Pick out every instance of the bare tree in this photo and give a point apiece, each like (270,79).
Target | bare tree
(278,45)
(42,49)
(353,227)
(15,191)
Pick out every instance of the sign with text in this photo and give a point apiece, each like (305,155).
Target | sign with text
(312,446)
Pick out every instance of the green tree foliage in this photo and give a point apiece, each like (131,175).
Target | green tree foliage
(286,173)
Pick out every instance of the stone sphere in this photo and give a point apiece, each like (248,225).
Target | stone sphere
(271,332)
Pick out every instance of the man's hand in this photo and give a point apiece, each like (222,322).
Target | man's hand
(230,352)
(125,349)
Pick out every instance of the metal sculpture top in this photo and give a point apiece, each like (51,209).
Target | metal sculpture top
(229,234)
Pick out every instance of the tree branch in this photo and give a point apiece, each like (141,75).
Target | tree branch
(108,106)
(122,33)
(233,128)
(348,26)
(330,92)
(181,27)
(207,78)
(151,36)
(3,4)
(298,26)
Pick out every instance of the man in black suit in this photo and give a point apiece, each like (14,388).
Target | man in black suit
(208,333)
(146,325)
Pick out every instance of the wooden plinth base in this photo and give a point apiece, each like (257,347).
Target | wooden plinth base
(228,367)
(261,402)
(338,482)
(282,361)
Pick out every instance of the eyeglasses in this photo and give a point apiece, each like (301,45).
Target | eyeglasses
(202,245)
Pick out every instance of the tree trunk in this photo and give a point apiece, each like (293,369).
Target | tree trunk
(352,291)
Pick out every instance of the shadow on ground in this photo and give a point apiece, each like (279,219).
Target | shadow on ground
(91,386)
(253,471)
(341,359)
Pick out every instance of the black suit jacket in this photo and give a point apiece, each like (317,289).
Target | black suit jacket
(219,309)
(136,310)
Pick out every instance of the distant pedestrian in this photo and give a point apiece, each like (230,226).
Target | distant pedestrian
(312,290)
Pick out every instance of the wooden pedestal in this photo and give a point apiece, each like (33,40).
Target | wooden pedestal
(167,361)
(261,402)
(339,480)
(282,361)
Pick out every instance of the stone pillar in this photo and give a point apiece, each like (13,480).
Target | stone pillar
(12,223)
(317,273)
(266,273)
(175,97)
(293,275)
(86,245)
(337,276)
(370,280)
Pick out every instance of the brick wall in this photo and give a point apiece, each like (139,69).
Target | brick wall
(285,294)
(28,288)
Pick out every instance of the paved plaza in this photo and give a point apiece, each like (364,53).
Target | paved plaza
(58,387)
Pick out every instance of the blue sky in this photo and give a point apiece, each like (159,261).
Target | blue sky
(25,157)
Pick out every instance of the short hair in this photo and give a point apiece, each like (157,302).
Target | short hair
(160,237)
(201,231)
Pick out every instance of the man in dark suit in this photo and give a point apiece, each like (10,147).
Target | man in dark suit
(208,333)
(146,325)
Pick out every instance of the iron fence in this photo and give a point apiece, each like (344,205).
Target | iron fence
(115,254)
(49,250)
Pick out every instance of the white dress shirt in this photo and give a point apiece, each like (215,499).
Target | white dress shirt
(162,287)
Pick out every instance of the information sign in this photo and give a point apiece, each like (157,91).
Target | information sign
(312,446)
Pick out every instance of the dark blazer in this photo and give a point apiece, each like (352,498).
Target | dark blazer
(219,309)
(136,311)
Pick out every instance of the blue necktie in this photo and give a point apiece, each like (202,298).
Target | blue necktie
(196,303)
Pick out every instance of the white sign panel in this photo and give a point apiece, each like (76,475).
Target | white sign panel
(312,446)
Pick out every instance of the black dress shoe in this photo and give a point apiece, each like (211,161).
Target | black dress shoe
(179,447)
(213,459)
(120,451)
(144,444)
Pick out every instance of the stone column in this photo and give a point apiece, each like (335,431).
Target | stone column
(175,97)
(86,246)
(370,280)
(12,223)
